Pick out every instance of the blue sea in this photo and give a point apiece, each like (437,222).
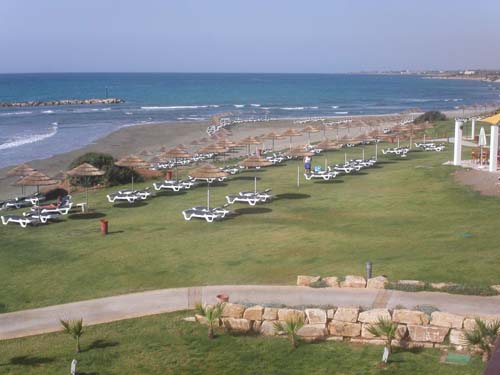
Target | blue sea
(39,132)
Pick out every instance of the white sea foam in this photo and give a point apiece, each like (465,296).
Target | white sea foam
(129,113)
(20,141)
(174,107)
(15,113)
(48,111)
(255,105)
(341,113)
(214,106)
(292,108)
(335,106)
(239,105)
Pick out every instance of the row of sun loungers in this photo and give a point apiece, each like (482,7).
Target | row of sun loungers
(40,214)
(218,213)
(173,185)
(20,202)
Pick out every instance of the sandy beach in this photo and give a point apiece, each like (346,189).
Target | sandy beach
(152,137)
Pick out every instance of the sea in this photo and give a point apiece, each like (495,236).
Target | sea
(28,133)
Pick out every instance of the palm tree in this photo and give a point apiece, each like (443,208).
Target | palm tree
(385,329)
(212,314)
(74,328)
(290,327)
(483,337)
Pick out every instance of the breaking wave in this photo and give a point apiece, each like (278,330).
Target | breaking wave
(21,141)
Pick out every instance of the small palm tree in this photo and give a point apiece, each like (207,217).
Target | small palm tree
(385,329)
(483,337)
(290,327)
(74,328)
(212,314)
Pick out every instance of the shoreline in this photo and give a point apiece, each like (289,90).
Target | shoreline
(135,138)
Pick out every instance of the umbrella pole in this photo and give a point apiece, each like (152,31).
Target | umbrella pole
(326,163)
(176,171)
(376,150)
(398,142)
(298,176)
(255,184)
(273,144)
(208,195)
(363,153)
(345,157)
(132,180)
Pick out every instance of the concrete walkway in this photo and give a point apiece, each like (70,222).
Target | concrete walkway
(103,310)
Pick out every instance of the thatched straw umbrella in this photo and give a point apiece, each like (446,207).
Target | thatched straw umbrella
(37,179)
(181,146)
(21,170)
(213,149)
(204,140)
(255,162)
(248,141)
(86,170)
(195,143)
(133,162)
(176,153)
(209,172)
(309,129)
(291,133)
(273,136)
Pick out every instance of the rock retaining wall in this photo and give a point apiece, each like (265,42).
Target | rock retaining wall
(415,328)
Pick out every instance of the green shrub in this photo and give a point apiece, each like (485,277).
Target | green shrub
(318,284)
(430,116)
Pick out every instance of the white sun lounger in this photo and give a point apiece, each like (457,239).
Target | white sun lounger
(325,175)
(23,221)
(140,194)
(173,185)
(130,198)
(209,216)
(250,197)
(62,208)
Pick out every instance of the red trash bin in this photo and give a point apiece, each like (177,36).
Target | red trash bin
(259,152)
(168,175)
(104,227)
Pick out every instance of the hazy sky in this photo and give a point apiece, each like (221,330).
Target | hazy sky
(247,36)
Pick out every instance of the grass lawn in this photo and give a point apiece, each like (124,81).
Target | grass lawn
(407,216)
(165,344)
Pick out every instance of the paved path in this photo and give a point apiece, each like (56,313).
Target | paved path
(103,310)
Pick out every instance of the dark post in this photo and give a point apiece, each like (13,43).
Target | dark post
(106,92)
(368,267)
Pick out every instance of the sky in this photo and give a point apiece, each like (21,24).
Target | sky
(288,36)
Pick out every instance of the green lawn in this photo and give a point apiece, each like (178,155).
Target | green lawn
(165,344)
(407,216)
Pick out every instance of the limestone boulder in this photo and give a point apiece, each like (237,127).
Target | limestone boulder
(330,313)
(256,326)
(290,315)
(316,316)
(442,285)
(233,310)
(345,329)
(443,319)
(413,317)
(374,315)
(303,280)
(352,281)
(267,328)
(238,325)
(347,314)
(378,282)
(270,313)
(311,333)
(427,333)
(332,281)
(457,337)
(254,313)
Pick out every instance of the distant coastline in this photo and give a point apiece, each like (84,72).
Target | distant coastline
(62,102)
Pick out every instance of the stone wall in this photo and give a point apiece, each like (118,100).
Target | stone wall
(415,328)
